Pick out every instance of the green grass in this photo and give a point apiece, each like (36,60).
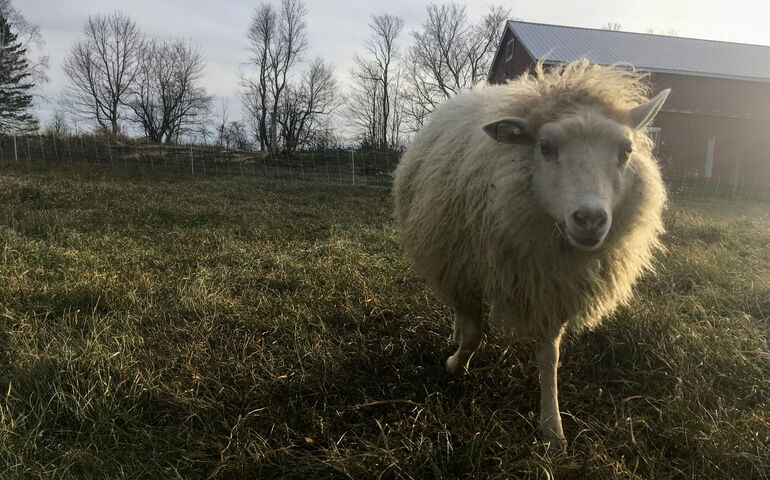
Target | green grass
(169,327)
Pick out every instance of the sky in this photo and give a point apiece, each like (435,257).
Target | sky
(337,29)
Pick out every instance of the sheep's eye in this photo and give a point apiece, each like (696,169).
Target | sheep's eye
(547,149)
(625,153)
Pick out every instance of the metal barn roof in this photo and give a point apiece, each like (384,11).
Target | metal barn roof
(656,53)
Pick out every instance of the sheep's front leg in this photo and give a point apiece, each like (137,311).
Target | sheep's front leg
(547,355)
(467,334)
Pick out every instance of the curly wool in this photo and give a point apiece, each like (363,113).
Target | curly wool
(471,223)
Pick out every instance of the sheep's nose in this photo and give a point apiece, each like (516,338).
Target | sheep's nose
(590,218)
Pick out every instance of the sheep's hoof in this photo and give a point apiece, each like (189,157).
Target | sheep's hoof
(454,366)
(556,443)
(552,440)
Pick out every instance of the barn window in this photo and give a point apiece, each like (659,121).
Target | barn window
(509,51)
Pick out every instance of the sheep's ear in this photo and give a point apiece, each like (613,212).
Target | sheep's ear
(509,130)
(643,114)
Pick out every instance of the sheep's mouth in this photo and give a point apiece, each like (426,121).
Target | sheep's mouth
(585,243)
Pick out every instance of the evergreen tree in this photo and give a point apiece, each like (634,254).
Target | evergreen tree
(15,83)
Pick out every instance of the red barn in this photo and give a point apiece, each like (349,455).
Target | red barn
(716,122)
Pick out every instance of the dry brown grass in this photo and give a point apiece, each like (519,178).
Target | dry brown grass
(234,328)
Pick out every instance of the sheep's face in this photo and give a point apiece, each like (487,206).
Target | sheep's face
(581,173)
(583,166)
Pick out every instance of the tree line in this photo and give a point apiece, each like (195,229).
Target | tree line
(394,84)
(121,80)
(116,73)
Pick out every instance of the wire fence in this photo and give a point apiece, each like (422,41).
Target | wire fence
(340,166)
(737,185)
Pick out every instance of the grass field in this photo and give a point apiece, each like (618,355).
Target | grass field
(165,327)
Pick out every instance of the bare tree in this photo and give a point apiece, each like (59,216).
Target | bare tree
(375,101)
(102,68)
(221,125)
(306,105)
(383,49)
(364,100)
(262,34)
(167,99)
(612,26)
(235,135)
(670,32)
(58,125)
(450,54)
(325,136)
(396,121)
(277,40)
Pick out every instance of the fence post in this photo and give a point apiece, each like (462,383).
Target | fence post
(264,162)
(192,161)
(315,167)
(301,167)
(326,164)
(82,150)
(55,148)
(69,150)
(42,152)
(375,168)
(339,167)
(29,157)
(288,165)
(15,152)
(353,165)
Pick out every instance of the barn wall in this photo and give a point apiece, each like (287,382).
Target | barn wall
(735,113)
(502,70)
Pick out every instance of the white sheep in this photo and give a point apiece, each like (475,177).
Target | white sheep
(540,198)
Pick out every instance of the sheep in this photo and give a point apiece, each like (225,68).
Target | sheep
(539,198)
